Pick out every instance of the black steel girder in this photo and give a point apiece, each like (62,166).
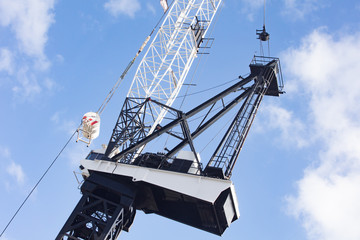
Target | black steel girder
(105,209)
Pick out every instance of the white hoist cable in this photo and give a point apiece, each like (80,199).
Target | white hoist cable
(101,109)
(36,185)
(113,90)
(89,128)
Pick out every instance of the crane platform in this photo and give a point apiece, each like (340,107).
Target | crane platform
(209,204)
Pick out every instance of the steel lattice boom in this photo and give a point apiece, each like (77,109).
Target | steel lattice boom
(162,71)
(265,79)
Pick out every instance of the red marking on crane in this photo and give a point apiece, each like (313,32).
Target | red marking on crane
(93,123)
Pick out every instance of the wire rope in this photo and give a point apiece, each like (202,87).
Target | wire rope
(210,34)
(205,90)
(212,27)
(201,116)
(121,78)
(36,185)
(217,134)
(209,89)
(264,11)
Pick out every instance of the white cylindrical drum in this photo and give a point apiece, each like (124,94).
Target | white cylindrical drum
(91,125)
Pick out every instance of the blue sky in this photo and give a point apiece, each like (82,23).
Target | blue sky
(298,175)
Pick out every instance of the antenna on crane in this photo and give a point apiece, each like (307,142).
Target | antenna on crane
(263,36)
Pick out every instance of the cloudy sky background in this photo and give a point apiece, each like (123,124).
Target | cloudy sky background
(298,176)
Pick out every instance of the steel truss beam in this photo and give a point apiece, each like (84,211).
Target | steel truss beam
(264,78)
(164,67)
(185,116)
(228,150)
(105,209)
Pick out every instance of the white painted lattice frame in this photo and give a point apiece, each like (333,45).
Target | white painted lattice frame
(166,63)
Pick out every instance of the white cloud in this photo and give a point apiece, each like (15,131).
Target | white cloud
(292,130)
(30,21)
(254,3)
(124,7)
(62,123)
(299,8)
(76,153)
(296,9)
(25,60)
(11,167)
(4,152)
(15,170)
(60,58)
(250,7)
(49,84)
(6,61)
(151,8)
(328,205)
(28,86)
(325,68)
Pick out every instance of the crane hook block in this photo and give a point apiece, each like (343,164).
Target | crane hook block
(263,35)
(89,128)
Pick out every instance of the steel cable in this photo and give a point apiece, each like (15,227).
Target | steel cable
(38,182)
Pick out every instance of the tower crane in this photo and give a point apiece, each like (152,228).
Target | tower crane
(121,179)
